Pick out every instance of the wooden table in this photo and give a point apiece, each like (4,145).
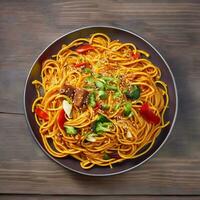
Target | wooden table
(27,27)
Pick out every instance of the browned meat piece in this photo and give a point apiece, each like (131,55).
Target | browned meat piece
(68,90)
(80,97)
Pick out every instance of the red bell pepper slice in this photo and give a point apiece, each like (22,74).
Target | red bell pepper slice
(61,119)
(136,55)
(80,64)
(97,106)
(42,114)
(148,114)
(84,48)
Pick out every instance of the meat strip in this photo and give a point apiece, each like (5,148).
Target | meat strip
(68,90)
(80,97)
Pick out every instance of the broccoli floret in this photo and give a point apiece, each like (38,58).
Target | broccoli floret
(102,124)
(102,118)
(71,130)
(133,93)
(103,127)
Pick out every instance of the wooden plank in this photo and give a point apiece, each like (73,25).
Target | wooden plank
(48,197)
(27,27)
(24,169)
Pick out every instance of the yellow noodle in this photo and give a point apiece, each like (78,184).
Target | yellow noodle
(129,136)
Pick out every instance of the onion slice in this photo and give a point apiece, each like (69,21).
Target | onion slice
(91,138)
(129,134)
(67,108)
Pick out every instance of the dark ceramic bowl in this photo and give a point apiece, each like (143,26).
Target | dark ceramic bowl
(124,36)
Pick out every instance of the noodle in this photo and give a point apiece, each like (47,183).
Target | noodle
(122,112)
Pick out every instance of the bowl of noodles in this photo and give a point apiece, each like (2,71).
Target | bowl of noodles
(100,100)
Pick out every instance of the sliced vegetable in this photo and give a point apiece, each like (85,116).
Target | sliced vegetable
(102,94)
(67,108)
(42,114)
(99,85)
(91,137)
(111,87)
(84,48)
(92,100)
(61,119)
(109,79)
(105,106)
(97,75)
(97,106)
(106,156)
(80,64)
(136,55)
(71,130)
(129,134)
(89,79)
(87,70)
(148,114)
(117,106)
(117,94)
(133,93)
(127,109)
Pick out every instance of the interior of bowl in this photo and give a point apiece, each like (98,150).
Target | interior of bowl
(124,36)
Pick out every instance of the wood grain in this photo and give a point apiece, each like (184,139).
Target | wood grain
(25,169)
(27,27)
(48,197)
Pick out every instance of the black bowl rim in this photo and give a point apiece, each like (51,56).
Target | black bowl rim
(175,90)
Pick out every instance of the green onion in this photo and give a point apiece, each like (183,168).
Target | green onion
(92,100)
(100,85)
(89,79)
(117,94)
(127,109)
(117,106)
(110,79)
(102,94)
(105,106)
(87,70)
(111,87)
